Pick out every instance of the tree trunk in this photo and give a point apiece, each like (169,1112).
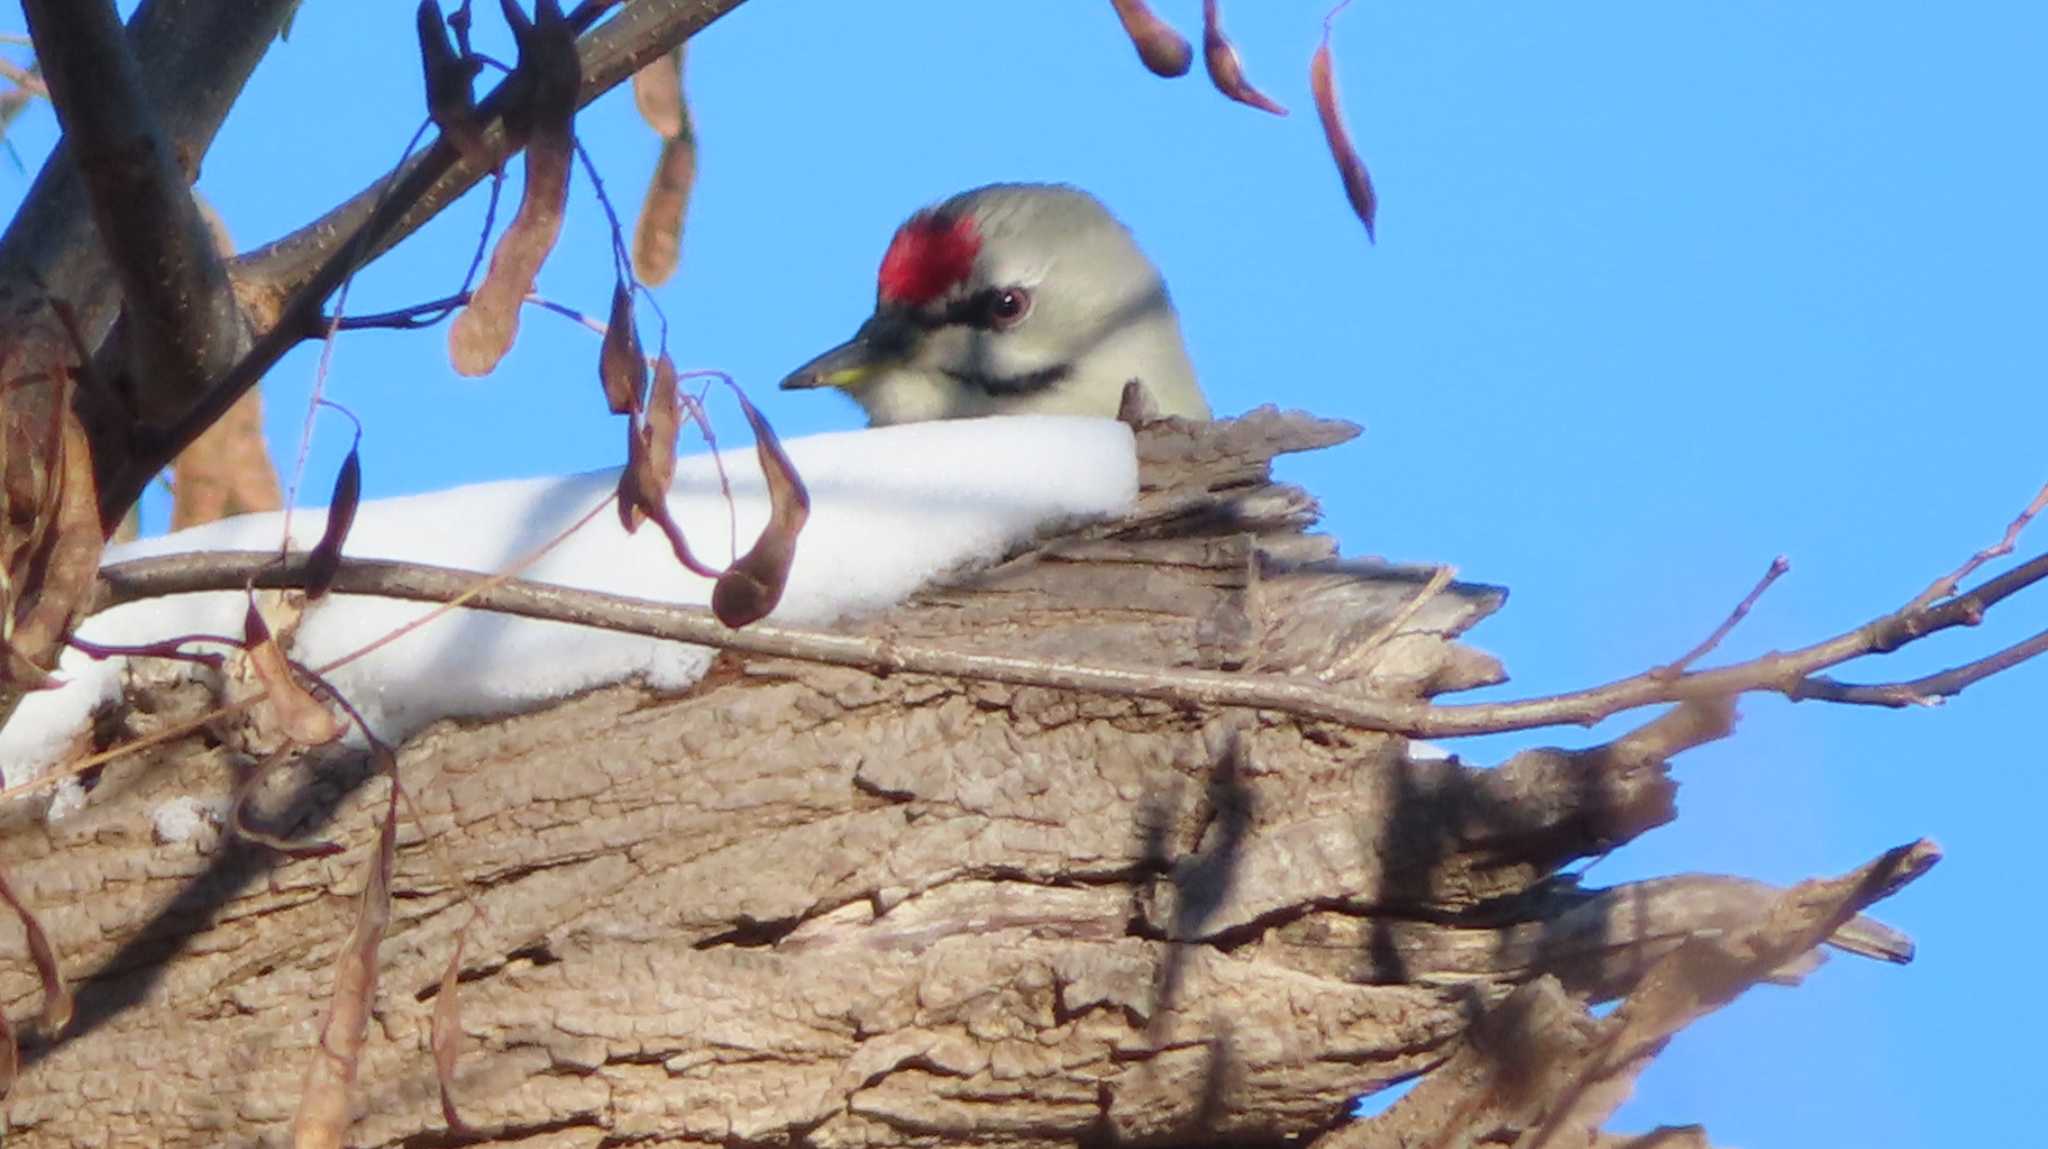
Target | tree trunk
(802,904)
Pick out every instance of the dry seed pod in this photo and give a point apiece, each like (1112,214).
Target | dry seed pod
(445,1033)
(658,93)
(651,467)
(543,114)
(651,452)
(1350,168)
(484,331)
(298,715)
(658,234)
(324,1104)
(1226,70)
(325,560)
(1163,50)
(450,103)
(751,587)
(57,1002)
(621,366)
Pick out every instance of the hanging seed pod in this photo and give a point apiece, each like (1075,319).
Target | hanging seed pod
(1358,188)
(1163,50)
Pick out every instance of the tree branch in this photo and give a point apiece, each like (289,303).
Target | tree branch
(289,280)
(181,323)
(195,56)
(1790,674)
(1929,690)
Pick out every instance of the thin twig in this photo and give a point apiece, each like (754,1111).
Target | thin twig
(434,311)
(1928,690)
(1775,572)
(1946,585)
(1782,673)
(27,79)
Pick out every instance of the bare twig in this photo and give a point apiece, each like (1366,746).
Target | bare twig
(1775,572)
(1928,690)
(29,80)
(1784,673)
(1946,585)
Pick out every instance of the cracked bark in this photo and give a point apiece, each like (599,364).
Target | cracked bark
(804,904)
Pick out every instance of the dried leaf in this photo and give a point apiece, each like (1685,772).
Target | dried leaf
(238,815)
(325,560)
(749,590)
(450,103)
(56,998)
(446,1034)
(621,365)
(1226,70)
(323,1115)
(1164,51)
(1357,181)
(295,712)
(50,559)
(543,114)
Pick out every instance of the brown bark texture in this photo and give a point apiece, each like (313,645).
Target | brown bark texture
(805,905)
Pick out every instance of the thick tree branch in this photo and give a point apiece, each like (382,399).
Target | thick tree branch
(289,280)
(194,58)
(1791,673)
(183,325)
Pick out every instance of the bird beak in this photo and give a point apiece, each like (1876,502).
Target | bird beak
(846,366)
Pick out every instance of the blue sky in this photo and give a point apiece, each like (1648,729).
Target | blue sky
(1661,291)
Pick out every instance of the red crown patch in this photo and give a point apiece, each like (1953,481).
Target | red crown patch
(930,253)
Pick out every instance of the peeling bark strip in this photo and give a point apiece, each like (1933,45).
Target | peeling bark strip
(812,905)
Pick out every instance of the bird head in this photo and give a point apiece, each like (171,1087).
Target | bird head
(1011,299)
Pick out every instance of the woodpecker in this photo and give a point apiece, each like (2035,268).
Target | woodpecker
(1012,299)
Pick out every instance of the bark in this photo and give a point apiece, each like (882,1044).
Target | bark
(808,904)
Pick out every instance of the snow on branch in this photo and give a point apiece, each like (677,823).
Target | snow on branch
(1795,673)
(892,508)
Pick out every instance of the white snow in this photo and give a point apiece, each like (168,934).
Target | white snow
(890,508)
(181,819)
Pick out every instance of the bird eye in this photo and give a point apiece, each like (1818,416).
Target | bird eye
(1008,307)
